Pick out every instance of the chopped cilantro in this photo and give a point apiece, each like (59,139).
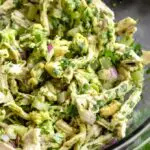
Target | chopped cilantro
(137,48)
(89,1)
(72,111)
(114,57)
(18,3)
(148,71)
(98,117)
(85,88)
(65,63)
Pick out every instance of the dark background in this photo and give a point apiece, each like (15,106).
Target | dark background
(138,9)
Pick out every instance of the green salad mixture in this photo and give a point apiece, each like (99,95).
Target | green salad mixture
(65,69)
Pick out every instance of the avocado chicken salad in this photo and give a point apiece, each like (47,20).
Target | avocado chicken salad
(66,68)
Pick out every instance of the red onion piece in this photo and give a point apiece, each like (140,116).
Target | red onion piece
(50,47)
(110,143)
(114,73)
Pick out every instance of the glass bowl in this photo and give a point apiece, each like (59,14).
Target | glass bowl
(138,133)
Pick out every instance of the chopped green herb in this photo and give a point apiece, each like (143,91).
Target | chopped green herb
(18,3)
(72,111)
(112,55)
(65,63)
(137,48)
(148,71)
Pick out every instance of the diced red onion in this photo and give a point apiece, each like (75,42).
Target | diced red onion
(114,73)
(50,47)
(110,143)
(108,74)
(113,141)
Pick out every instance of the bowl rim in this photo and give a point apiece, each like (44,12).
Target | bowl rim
(131,137)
